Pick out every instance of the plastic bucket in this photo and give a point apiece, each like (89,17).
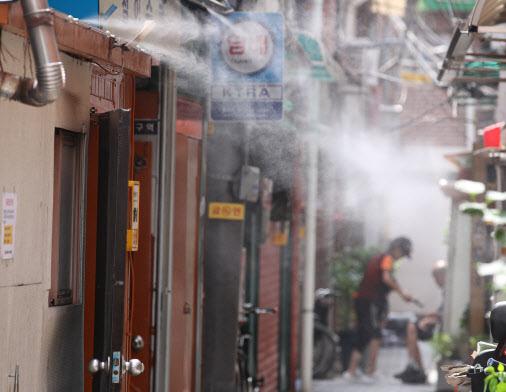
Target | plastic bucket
(492,135)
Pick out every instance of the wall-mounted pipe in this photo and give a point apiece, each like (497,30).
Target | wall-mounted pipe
(48,67)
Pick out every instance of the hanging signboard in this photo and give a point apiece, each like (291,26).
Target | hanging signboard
(9,206)
(247,54)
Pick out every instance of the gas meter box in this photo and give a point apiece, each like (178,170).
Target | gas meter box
(133,222)
(249,186)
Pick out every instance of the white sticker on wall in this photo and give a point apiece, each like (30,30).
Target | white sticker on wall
(9,206)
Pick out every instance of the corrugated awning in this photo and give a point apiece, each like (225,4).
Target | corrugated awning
(462,63)
(438,5)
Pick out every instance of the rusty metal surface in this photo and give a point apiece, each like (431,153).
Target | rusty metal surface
(86,43)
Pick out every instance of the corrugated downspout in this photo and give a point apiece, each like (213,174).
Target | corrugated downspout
(48,67)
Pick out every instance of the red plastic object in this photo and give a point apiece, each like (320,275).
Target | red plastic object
(492,135)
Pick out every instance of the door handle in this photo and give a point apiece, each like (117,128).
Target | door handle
(137,343)
(134,367)
(94,366)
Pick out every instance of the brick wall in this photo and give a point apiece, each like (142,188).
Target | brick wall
(427,119)
(295,309)
(329,33)
(268,325)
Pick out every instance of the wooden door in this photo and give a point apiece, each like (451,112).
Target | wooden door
(142,273)
(108,93)
(106,262)
(112,215)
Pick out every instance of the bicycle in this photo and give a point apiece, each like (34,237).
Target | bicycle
(325,341)
(246,382)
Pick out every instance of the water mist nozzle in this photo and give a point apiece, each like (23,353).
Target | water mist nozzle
(140,35)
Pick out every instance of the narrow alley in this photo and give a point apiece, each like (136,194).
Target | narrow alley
(391,361)
(218,195)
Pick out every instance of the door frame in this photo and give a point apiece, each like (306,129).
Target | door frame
(112,216)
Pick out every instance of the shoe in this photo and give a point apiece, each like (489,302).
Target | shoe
(365,379)
(409,369)
(346,376)
(401,374)
(414,376)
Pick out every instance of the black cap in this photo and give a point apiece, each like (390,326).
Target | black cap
(404,245)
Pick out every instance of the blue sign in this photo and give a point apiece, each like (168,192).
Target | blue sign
(87,10)
(247,55)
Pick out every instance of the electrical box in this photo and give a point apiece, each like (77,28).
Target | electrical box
(133,222)
(250,183)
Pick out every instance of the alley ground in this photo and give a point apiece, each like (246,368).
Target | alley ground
(391,360)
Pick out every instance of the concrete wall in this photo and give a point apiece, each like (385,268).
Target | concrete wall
(417,208)
(26,162)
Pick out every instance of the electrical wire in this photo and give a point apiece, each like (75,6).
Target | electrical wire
(422,115)
(448,17)
(450,9)
(109,71)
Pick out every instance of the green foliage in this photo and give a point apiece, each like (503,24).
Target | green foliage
(472,188)
(443,344)
(448,346)
(491,216)
(472,208)
(495,381)
(473,340)
(347,271)
(464,319)
(500,236)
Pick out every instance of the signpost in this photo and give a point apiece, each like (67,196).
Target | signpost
(247,56)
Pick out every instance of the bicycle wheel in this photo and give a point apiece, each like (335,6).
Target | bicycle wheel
(324,346)
(241,373)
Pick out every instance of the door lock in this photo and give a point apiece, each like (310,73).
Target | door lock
(94,366)
(134,367)
(137,343)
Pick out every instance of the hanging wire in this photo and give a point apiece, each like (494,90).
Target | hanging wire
(450,9)
(447,16)
(25,57)
(418,118)
(432,36)
(106,69)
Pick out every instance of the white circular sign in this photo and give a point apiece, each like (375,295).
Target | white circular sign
(247,47)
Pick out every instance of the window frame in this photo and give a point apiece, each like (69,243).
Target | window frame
(72,296)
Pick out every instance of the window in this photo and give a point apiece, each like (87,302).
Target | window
(67,226)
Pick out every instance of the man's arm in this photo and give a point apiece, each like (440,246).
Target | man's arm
(390,282)
(428,320)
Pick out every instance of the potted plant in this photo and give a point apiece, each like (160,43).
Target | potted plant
(347,271)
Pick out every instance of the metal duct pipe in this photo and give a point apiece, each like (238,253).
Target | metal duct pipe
(48,67)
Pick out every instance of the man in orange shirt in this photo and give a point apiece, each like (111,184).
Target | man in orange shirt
(371,305)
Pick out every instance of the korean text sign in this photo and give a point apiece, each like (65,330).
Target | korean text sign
(247,58)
